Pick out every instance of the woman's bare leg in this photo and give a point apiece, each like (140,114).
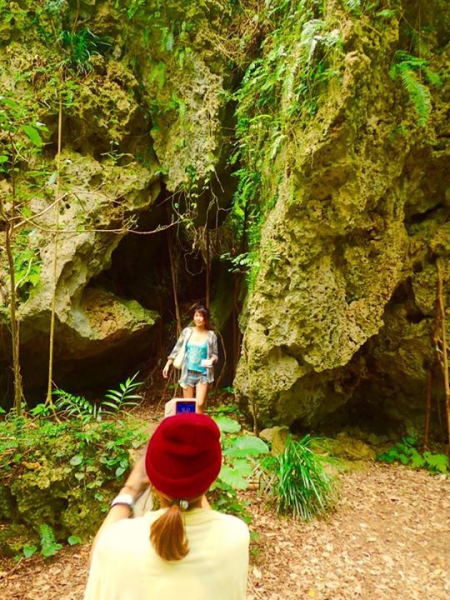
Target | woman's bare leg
(200,396)
(188,392)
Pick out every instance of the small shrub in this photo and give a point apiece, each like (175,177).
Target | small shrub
(81,45)
(298,481)
(49,545)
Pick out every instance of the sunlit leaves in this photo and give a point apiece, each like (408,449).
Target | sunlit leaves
(33,135)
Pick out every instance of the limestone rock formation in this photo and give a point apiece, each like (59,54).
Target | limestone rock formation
(331,117)
(136,125)
(342,310)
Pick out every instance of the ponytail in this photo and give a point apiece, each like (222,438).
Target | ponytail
(168,535)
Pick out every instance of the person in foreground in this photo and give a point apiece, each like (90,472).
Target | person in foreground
(181,550)
(200,355)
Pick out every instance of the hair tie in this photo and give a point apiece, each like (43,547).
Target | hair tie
(182,504)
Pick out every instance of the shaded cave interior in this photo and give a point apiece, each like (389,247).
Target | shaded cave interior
(140,270)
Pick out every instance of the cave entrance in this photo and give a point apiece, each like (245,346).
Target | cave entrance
(146,260)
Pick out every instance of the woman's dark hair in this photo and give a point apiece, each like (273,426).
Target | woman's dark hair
(205,314)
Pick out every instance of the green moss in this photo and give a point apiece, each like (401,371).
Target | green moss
(7,505)
(13,537)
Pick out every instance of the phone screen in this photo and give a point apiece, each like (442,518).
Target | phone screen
(184,406)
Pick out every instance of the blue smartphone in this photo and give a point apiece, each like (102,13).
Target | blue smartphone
(185,406)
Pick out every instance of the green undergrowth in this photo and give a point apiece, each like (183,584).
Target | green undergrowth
(60,474)
(62,466)
(407,453)
(296,479)
(242,453)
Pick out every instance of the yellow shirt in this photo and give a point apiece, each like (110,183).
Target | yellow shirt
(125,565)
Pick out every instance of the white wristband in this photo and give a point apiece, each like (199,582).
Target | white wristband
(124,499)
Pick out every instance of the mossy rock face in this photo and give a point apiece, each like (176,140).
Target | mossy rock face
(342,306)
(106,181)
(347,448)
(13,537)
(183,80)
(277,438)
(82,514)
(43,495)
(7,505)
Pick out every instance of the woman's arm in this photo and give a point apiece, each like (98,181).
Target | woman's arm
(167,368)
(213,354)
(135,485)
(137,481)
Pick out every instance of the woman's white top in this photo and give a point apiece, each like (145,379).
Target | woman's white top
(125,565)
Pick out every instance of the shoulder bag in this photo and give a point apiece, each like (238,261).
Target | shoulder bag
(179,358)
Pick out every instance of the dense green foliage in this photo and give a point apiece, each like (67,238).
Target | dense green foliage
(22,138)
(61,469)
(406,453)
(296,479)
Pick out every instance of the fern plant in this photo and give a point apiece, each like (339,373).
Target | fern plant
(77,406)
(125,396)
(49,545)
(410,70)
(354,6)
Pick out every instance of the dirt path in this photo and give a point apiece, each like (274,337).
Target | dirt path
(389,539)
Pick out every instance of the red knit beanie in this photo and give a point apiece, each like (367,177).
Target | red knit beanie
(184,456)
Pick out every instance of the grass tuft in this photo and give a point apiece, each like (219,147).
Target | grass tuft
(298,481)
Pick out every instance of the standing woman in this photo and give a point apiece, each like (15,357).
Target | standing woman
(197,371)
(183,550)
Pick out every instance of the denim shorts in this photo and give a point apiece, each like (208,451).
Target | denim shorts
(193,378)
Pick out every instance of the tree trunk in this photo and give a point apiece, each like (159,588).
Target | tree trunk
(173,276)
(444,348)
(15,329)
(49,399)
